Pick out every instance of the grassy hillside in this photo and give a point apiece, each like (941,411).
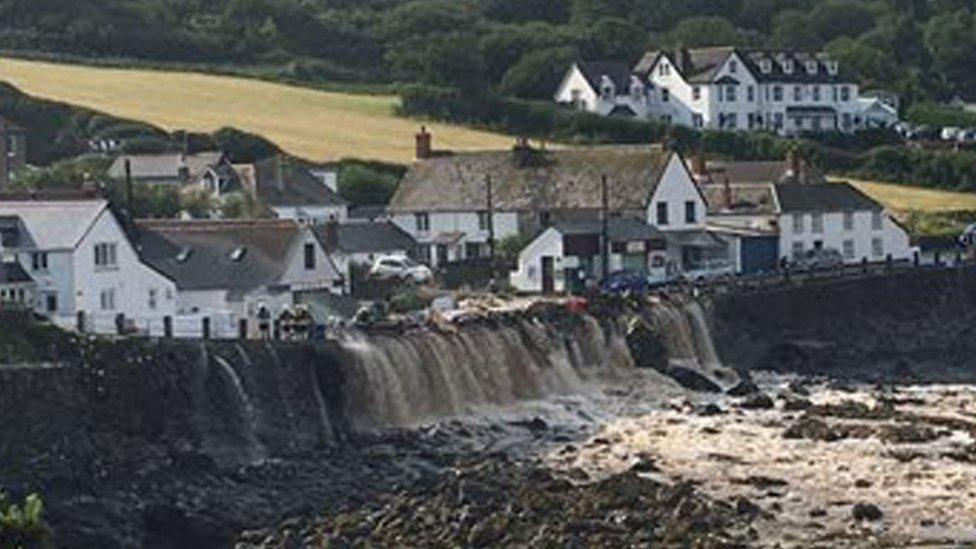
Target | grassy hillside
(905,198)
(312,124)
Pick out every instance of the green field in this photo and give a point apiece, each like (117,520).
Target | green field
(312,124)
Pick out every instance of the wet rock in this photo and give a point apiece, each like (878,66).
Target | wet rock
(487,531)
(799,387)
(796,404)
(711,409)
(759,401)
(866,512)
(746,387)
(744,506)
(912,433)
(761,482)
(536,424)
(691,379)
(814,429)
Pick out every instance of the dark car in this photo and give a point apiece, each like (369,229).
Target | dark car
(622,282)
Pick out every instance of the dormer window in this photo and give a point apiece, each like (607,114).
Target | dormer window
(812,67)
(788,66)
(733,66)
(832,67)
(238,253)
(607,90)
(184,255)
(766,66)
(664,69)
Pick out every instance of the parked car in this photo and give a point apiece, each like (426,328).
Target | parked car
(709,269)
(623,282)
(824,258)
(400,268)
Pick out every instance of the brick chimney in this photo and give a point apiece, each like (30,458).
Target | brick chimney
(331,235)
(424,142)
(698,164)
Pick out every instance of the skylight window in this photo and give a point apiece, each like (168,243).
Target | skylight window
(184,255)
(238,253)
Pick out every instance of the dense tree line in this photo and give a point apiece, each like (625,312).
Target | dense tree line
(919,48)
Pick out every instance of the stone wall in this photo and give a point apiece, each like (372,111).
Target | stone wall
(913,326)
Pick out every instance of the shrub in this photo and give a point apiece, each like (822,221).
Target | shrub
(22,526)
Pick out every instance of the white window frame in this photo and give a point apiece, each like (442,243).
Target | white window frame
(848,221)
(877,220)
(877,247)
(798,223)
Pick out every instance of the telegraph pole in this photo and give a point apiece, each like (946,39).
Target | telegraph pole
(491,220)
(605,227)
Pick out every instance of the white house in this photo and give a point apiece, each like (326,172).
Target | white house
(571,254)
(210,170)
(294,190)
(837,216)
(229,269)
(444,200)
(788,92)
(82,261)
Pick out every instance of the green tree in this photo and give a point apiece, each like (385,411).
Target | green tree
(362,185)
(836,18)
(792,29)
(537,74)
(197,203)
(695,32)
(241,205)
(451,59)
(23,526)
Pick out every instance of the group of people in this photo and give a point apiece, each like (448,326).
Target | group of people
(291,324)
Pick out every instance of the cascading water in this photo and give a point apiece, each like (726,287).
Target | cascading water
(404,380)
(688,340)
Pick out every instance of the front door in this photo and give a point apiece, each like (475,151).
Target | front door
(441,255)
(548,275)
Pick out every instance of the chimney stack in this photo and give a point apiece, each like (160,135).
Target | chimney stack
(698,164)
(424,143)
(331,235)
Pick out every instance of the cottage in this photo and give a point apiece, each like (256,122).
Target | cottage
(750,202)
(231,268)
(211,171)
(83,266)
(455,205)
(294,190)
(352,245)
(837,216)
(727,88)
(569,255)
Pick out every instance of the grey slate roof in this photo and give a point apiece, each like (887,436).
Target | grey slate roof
(824,197)
(700,65)
(208,247)
(298,187)
(619,229)
(747,199)
(165,167)
(550,180)
(368,237)
(54,224)
(761,171)
(616,71)
(13,273)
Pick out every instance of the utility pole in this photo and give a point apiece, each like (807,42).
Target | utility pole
(491,219)
(605,228)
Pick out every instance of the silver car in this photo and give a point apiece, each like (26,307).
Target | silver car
(824,258)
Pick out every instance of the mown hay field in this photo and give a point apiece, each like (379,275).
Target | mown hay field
(313,124)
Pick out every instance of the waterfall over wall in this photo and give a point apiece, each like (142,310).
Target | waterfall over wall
(135,402)
(405,379)
(688,352)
